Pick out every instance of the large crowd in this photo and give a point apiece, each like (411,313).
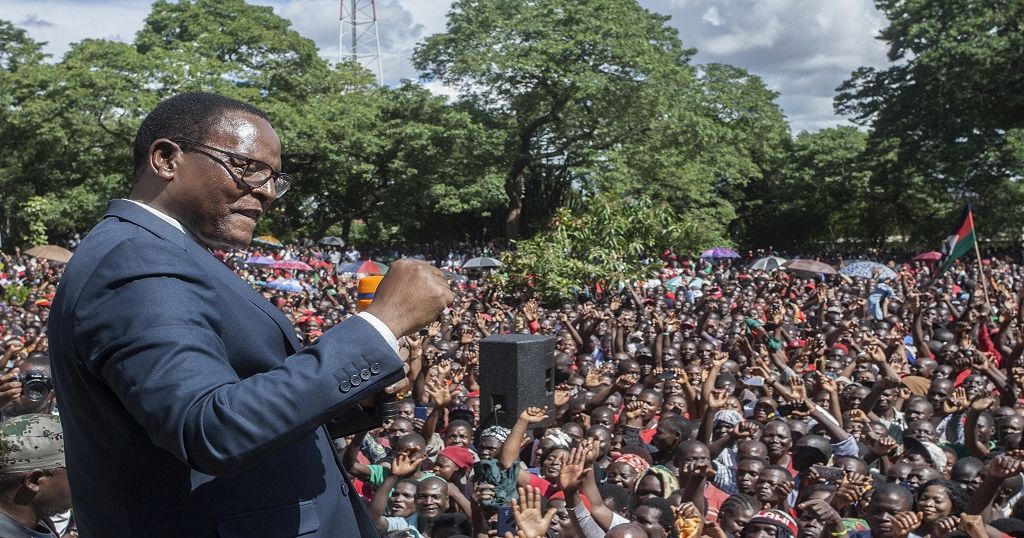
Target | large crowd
(709,399)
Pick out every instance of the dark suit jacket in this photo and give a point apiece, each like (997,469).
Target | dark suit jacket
(188,408)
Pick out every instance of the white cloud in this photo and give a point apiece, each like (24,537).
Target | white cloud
(712,17)
(802,48)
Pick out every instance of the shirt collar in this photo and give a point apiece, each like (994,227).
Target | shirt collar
(161,215)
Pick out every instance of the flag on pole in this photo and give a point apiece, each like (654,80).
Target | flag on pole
(960,242)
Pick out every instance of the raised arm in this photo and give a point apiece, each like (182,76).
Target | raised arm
(514,442)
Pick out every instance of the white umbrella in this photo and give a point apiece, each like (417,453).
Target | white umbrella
(768,264)
(481,263)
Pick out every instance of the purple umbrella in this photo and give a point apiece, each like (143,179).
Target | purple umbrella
(260,260)
(719,252)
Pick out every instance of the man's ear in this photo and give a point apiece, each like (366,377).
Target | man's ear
(32,479)
(164,158)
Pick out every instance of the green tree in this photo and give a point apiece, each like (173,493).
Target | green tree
(820,194)
(566,80)
(610,243)
(946,116)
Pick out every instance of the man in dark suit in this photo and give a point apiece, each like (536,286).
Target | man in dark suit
(189,409)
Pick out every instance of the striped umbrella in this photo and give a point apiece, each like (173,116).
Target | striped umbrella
(268,240)
(368,267)
(289,284)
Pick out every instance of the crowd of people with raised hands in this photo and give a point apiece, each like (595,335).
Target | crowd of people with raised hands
(735,403)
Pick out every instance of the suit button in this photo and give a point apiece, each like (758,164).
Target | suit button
(365,374)
(375,368)
(355,380)
(345,386)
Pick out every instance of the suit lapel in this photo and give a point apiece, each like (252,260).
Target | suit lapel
(131,212)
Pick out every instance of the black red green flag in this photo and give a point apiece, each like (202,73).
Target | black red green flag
(960,242)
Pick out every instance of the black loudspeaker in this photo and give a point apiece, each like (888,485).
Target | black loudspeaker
(516,371)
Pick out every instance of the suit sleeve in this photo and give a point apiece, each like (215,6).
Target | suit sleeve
(147,325)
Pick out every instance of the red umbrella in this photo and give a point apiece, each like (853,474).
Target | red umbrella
(930,256)
(295,265)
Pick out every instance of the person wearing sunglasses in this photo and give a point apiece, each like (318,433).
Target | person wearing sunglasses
(189,406)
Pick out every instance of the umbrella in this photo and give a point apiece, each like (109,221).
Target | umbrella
(288,284)
(332,241)
(295,265)
(930,256)
(868,270)
(260,260)
(808,268)
(454,277)
(50,252)
(719,252)
(368,267)
(481,263)
(320,263)
(268,240)
(768,264)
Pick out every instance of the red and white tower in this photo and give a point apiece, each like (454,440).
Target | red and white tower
(357,36)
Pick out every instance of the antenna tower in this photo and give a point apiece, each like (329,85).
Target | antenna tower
(357,35)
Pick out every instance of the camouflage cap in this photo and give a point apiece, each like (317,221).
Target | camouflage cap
(29,442)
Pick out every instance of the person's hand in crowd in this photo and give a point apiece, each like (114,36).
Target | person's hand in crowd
(633,412)
(822,511)
(530,311)
(405,466)
(697,470)
(593,378)
(973,525)
(982,404)
(1004,466)
(573,465)
(625,381)
(957,402)
(563,393)
(884,445)
(410,296)
(946,525)
(10,387)
(717,399)
(687,520)
(439,394)
(828,384)
(530,521)
(534,415)
(433,329)
(483,492)
(746,429)
(904,523)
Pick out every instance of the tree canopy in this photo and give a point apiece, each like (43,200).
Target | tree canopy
(561,107)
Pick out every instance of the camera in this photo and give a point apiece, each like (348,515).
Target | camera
(35,385)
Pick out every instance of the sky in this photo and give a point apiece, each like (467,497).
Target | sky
(803,49)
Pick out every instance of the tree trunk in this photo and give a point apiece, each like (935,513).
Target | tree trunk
(346,227)
(514,191)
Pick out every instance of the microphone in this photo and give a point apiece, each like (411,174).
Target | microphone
(387,406)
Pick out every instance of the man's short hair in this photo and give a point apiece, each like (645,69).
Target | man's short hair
(187,115)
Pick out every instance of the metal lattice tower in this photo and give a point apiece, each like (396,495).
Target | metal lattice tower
(357,35)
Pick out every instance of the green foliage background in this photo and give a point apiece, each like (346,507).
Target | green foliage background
(572,116)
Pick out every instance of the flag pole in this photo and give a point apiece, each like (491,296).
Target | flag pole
(981,271)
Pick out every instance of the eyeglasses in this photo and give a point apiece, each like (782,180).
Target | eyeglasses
(252,173)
